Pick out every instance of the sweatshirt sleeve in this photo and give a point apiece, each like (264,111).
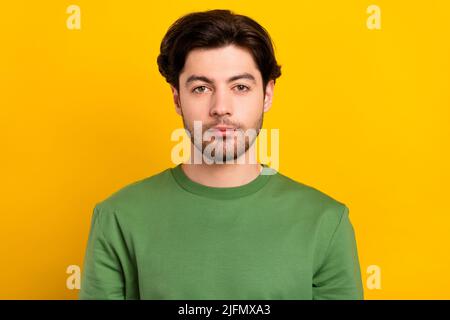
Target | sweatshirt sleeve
(102,275)
(339,277)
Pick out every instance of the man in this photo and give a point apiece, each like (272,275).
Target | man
(220,230)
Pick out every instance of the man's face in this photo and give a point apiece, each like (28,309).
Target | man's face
(222,86)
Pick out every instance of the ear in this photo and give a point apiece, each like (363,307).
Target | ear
(176,99)
(269,95)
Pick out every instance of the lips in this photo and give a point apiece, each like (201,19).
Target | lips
(224,128)
(224,131)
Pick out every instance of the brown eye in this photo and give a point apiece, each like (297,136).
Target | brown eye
(200,89)
(242,88)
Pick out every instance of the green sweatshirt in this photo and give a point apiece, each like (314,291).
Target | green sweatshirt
(168,237)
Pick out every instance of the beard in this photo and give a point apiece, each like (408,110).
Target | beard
(229,147)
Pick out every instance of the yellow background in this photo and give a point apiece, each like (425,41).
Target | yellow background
(363,116)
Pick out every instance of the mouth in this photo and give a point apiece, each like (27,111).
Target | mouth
(224,128)
(224,131)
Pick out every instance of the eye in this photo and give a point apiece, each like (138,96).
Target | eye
(200,89)
(242,88)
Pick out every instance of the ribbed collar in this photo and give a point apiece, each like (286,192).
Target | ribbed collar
(218,192)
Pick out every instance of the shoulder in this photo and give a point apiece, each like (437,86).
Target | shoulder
(313,196)
(135,194)
(313,202)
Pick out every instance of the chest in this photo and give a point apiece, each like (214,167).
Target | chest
(226,259)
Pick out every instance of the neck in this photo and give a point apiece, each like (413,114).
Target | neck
(222,175)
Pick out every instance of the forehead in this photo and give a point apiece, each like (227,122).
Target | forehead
(219,63)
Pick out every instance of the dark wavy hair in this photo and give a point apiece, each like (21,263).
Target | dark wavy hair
(215,29)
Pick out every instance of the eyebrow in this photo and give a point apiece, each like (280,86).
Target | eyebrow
(244,75)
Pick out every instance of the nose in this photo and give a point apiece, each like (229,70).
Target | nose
(221,103)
